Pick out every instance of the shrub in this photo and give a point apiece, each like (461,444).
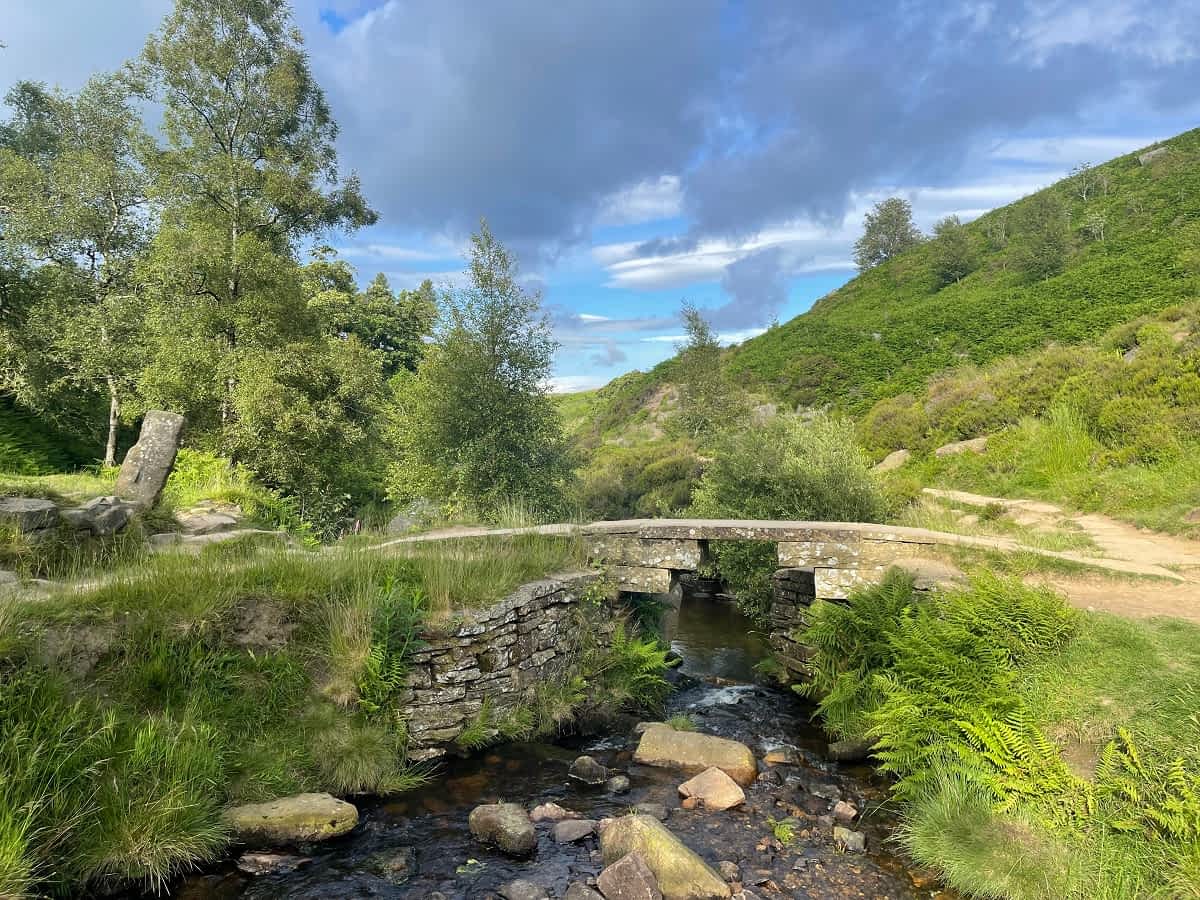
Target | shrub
(785,469)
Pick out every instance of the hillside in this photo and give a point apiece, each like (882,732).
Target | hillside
(28,446)
(887,330)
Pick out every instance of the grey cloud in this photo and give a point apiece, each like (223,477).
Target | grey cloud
(609,355)
(757,289)
(528,113)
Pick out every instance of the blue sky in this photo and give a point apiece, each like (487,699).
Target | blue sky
(636,153)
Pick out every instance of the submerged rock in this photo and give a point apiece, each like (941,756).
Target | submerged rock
(257,863)
(853,750)
(570,830)
(714,790)
(694,752)
(618,784)
(551,812)
(290,820)
(394,866)
(506,826)
(629,878)
(783,756)
(587,771)
(680,873)
(523,890)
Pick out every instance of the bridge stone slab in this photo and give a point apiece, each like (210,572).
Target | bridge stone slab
(631,550)
(641,579)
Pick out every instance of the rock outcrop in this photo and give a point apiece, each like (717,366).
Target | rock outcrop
(893,461)
(693,752)
(149,462)
(291,820)
(505,826)
(679,872)
(974,445)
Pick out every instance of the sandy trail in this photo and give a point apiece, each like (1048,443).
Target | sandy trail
(1133,598)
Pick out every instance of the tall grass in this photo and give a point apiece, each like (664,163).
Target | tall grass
(1040,752)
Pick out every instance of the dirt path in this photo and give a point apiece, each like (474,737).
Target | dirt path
(1117,541)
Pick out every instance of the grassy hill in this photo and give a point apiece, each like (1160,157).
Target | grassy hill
(886,331)
(891,327)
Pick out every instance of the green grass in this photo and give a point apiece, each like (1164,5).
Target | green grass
(1039,752)
(31,446)
(949,518)
(133,711)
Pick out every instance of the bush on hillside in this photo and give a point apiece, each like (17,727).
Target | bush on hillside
(651,481)
(788,468)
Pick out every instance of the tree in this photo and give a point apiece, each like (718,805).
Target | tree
(74,197)
(476,427)
(888,231)
(953,256)
(395,324)
(707,401)
(1043,244)
(249,170)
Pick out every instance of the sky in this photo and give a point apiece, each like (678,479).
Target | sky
(639,153)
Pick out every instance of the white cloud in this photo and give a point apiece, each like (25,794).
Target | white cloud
(725,337)
(570,384)
(1063,152)
(589,317)
(647,201)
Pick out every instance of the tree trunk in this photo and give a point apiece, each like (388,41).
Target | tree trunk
(114,422)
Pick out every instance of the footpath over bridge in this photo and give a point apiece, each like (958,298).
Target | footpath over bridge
(645,554)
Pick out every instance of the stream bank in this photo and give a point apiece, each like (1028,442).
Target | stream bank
(418,844)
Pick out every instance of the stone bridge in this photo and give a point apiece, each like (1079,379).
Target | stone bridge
(648,555)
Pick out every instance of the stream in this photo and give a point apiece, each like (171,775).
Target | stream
(418,845)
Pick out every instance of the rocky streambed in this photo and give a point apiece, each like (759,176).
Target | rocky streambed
(807,827)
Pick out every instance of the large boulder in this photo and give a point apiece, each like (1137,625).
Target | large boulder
(27,514)
(149,462)
(629,878)
(290,820)
(694,752)
(680,873)
(504,825)
(714,790)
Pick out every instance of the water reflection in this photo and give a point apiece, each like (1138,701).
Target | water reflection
(714,638)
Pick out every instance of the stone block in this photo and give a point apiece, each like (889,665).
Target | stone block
(148,463)
(641,579)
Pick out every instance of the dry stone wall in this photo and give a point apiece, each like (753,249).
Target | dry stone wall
(498,658)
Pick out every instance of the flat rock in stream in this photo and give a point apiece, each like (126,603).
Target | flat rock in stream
(551,812)
(523,890)
(505,825)
(291,820)
(580,891)
(694,752)
(714,790)
(680,873)
(570,830)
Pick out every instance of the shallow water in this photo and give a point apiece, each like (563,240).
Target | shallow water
(424,835)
